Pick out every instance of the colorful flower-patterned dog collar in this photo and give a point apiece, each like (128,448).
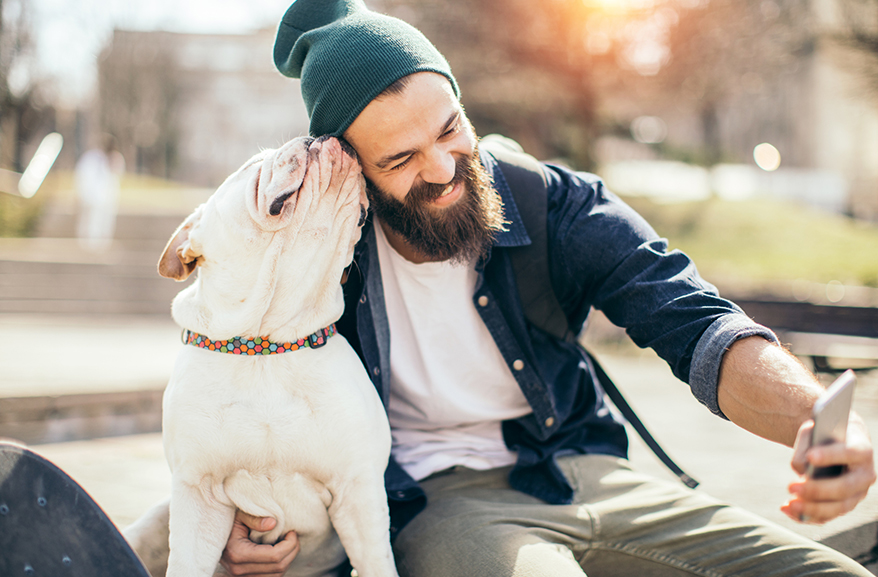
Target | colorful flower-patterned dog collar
(258,346)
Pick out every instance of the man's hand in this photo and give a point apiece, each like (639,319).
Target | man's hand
(821,500)
(243,557)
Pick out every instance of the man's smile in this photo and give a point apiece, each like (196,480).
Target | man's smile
(451,193)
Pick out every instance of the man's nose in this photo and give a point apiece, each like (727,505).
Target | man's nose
(440,167)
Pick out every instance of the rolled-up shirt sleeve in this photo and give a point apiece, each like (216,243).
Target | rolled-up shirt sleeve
(716,340)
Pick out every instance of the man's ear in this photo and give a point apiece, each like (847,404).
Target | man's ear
(179,258)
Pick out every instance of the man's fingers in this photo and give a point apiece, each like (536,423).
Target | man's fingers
(800,449)
(858,460)
(855,482)
(255,523)
(819,512)
(288,547)
(243,557)
(839,489)
(271,558)
(821,500)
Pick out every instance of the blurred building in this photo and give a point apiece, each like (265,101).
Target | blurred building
(820,115)
(795,84)
(194,107)
(191,106)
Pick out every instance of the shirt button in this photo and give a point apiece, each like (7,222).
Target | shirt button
(363,299)
(550,421)
(483,301)
(376,371)
(400,494)
(517,364)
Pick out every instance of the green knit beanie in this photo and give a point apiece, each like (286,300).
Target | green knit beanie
(346,55)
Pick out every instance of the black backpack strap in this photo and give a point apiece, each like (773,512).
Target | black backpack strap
(527,181)
(619,401)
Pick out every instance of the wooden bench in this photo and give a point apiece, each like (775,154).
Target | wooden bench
(833,337)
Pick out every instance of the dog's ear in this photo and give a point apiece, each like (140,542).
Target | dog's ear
(179,258)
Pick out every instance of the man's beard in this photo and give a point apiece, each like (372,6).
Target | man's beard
(461,232)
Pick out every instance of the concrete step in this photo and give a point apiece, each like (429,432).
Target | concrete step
(59,223)
(61,418)
(56,276)
(85,307)
(67,378)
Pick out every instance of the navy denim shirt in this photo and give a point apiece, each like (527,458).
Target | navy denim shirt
(602,255)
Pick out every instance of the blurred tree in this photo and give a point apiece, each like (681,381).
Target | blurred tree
(22,115)
(137,91)
(520,67)
(712,56)
(859,31)
(543,72)
(722,49)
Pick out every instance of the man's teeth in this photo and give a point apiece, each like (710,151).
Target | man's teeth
(447,190)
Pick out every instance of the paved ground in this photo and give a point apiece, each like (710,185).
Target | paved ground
(50,356)
(59,355)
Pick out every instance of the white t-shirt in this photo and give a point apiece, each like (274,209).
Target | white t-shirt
(450,387)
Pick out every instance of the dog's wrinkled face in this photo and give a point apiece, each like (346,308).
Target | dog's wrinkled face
(291,214)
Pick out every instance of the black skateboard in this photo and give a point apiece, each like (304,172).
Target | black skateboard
(49,526)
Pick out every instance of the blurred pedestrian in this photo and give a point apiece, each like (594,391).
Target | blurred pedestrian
(97,186)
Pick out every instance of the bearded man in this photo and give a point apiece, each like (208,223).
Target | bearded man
(506,459)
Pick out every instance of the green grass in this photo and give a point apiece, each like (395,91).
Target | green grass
(18,216)
(764,240)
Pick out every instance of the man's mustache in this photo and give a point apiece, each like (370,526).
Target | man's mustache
(428,191)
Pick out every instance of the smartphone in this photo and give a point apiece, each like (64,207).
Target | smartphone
(831,420)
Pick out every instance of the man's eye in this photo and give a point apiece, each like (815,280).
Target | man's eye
(402,164)
(452,130)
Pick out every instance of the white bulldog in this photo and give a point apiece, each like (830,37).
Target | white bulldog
(300,436)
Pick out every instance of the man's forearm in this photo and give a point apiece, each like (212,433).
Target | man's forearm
(764,389)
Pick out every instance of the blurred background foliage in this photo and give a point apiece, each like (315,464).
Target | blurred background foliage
(18,216)
(590,83)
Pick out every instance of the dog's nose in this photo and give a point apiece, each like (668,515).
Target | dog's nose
(347,148)
(345,145)
(362,216)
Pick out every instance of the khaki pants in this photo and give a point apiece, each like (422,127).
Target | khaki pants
(622,523)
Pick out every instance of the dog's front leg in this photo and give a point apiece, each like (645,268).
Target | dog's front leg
(200,528)
(361,518)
